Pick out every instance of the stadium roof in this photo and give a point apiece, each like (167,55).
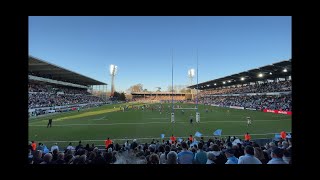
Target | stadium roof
(276,70)
(42,68)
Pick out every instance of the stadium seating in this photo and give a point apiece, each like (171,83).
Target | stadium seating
(45,95)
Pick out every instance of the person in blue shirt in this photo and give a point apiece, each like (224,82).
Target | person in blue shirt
(230,156)
(185,156)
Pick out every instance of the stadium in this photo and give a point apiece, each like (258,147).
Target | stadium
(211,118)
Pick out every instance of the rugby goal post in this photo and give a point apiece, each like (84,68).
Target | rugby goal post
(197,117)
(197,114)
(172,117)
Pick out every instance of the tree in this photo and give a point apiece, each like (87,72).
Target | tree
(122,97)
(119,96)
(136,88)
(145,90)
(185,90)
(177,88)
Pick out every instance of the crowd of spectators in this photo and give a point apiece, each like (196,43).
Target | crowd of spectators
(43,95)
(277,102)
(280,86)
(158,98)
(213,151)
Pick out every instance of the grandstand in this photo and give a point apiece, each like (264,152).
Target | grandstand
(265,88)
(55,89)
(157,96)
(274,72)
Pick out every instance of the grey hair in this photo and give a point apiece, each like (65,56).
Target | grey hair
(172,157)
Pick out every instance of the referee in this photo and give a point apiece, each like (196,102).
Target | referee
(49,123)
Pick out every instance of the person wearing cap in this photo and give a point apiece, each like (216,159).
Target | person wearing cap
(276,155)
(248,158)
(230,156)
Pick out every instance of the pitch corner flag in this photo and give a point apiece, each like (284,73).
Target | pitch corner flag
(217,132)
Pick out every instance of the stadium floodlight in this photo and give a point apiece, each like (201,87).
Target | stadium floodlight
(260,75)
(113,69)
(242,79)
(285,70)
(191,72)
(224,82)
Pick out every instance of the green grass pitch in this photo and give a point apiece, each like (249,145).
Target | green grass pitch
(96,124)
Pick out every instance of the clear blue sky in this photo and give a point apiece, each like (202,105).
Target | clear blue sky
(141,46)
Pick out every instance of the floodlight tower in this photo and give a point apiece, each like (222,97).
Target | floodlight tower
(191,75)
(113,72)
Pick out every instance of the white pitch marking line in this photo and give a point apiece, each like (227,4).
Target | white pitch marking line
(158,137)
(99,118)
(112,124)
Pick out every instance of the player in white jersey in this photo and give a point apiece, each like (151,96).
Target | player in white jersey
(249,121)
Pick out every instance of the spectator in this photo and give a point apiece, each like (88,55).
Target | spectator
(229,153)
(60,159)
(211,158)
(70,147)
(201,156)
(55,146)
(47,159)
(37,157)
(154,159)
(185,156)
(220,158)
(258,153)
(172,158)
(80,146)
(276,155)
(249,158)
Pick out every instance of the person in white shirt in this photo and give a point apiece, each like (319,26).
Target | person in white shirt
(70,147)
(249,121)
(55,146)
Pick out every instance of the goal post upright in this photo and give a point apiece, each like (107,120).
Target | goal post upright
(172,113)
(197,113)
